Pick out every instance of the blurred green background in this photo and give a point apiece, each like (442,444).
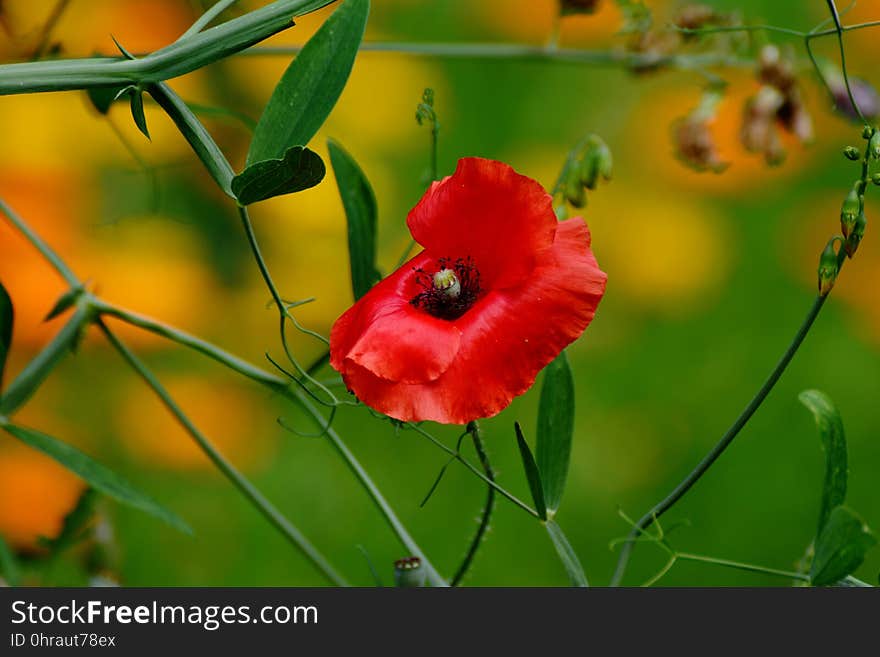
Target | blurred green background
(709,277)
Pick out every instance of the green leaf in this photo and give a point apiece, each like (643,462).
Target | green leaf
(566,555)
(96,475)
(137,112)
(840,547)
(555,429)
(7,319)
(361,213)
(195,133)
(311,85)
(64,302)
(102,98)
(532,474)
(830,427)
(9,568)
(299,169)
(36,371)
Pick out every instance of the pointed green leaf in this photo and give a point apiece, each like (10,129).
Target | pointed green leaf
(36,371)
(840,547)
(195,134)
(834,444)
(9,568)
(555,429)
(532,474)
(102,98)
(96,475)
(361,215)
(64,302)
(299,169)
(311,85)
(566,555)
(7,319)
(137,112)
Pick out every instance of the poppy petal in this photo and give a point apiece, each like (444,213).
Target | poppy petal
(385,334)
(487,211)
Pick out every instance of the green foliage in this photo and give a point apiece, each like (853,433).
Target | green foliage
(532,474)
(96,475)
(9,567)
(195,134)
(361,214)
(555,429)
(65,302)
(36,371)
(840,547)
(137,112)
(102,98)
(311,85)
(7,319)
(830,427)
(299,169)
(566,554)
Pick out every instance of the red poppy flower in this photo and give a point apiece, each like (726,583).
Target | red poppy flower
(499,290)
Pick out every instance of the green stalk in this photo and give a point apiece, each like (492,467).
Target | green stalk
(36,371)
(694,476)
(381,503)
(279,385)
(254,496)
(183,56)
(486,515)
(40,245)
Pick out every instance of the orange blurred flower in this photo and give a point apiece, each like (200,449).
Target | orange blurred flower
(35,495)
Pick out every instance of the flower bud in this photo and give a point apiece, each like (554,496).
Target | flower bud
(574,190)
(855,237)
(874,146)
(828,268)
(849,212)
(876,179)
(867,132)
(851,153)
(408,573)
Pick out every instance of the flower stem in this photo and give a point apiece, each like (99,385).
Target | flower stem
(381,503)
(40,245)
(183,56)
(517,51)
(839,29)
(272,514)
(679,491)
(474,430)
(727,563)
(458,457)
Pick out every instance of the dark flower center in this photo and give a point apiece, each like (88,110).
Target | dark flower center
(450,291)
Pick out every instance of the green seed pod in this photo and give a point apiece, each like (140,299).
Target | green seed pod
(849,212)
(874,146)
(408,573)
(867,132)
(851,153)
(828,268)
(855,237)
(574,189)
(876,179)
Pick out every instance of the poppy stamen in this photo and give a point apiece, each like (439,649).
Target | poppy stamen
(450,291)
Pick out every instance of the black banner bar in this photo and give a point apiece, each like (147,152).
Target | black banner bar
(406,621)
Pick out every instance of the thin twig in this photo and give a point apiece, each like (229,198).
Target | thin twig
(485,517)
(271,513)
